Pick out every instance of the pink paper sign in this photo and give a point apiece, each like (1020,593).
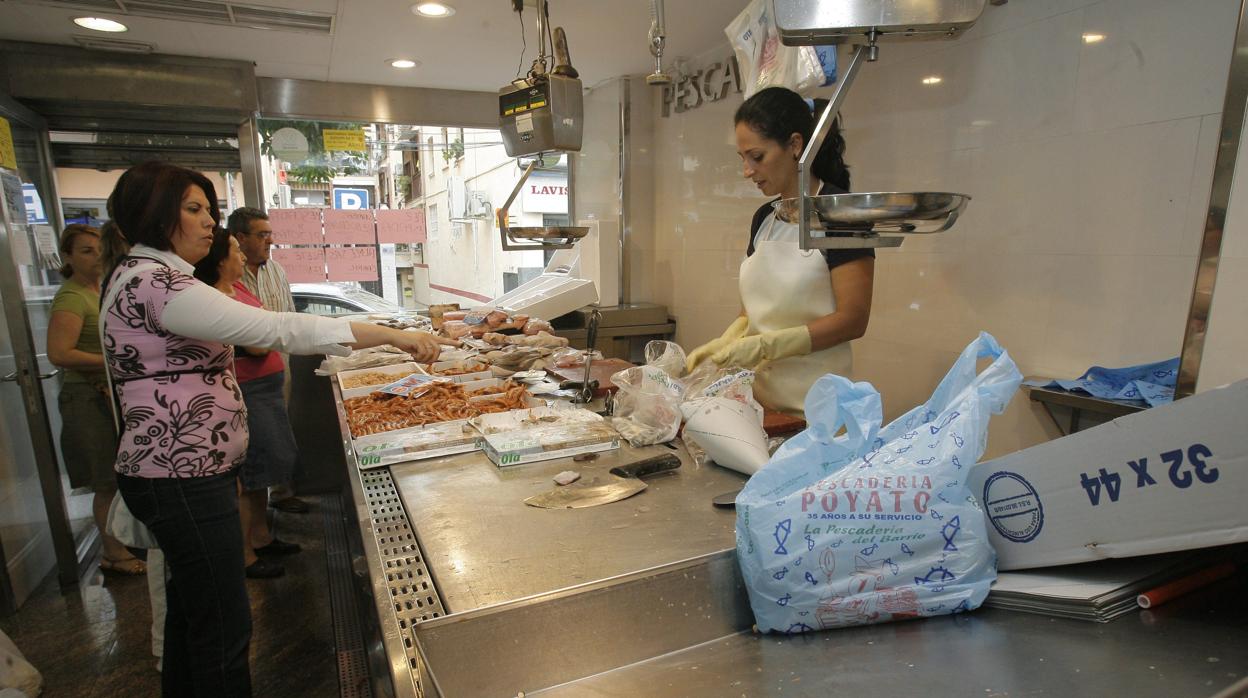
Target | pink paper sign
(349,227)
(352,263)
(303,265)
(405,225)
(296,226)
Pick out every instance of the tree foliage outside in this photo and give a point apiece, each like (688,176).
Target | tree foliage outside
(321,166)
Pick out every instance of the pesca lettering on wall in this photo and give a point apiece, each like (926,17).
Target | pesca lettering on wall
(709,84)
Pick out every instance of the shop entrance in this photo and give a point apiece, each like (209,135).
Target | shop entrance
(66,160)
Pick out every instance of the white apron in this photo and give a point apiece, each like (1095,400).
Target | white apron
(782,286)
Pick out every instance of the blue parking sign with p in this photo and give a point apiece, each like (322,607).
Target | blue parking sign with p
(351,199)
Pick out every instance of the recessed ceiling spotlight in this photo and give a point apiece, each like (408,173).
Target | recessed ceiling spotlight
(433,9)
(403,63)
(99,24)
(933,80)
(1093,38)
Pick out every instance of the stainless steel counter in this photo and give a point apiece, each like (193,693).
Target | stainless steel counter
(477,594)
(484,546)
(1195,647)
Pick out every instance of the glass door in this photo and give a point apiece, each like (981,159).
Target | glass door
(34,526)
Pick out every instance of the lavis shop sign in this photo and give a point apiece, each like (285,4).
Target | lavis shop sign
(709,84)
(546,195)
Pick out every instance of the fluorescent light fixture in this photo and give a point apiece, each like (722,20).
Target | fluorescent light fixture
(433,9)
(403,63)
(933,80)
(1093,38)
(99,24)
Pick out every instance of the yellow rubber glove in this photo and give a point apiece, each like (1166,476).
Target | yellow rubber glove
(734,332)
(749,352)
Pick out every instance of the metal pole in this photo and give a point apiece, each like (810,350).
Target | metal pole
(625,293)
(1230,132)
(249,156)
(816,141)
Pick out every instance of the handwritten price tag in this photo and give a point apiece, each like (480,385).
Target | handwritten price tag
(349,227)
(352,263)
(404,225)
(303,265)
(296,226)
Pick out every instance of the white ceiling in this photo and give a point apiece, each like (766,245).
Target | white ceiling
(478,48)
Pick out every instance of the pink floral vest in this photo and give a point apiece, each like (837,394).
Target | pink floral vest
(181,412)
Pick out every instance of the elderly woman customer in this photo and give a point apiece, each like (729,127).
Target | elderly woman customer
(168,345)
(271,450)
(88,443)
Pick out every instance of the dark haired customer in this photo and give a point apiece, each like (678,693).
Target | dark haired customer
(183,422)
(265,278)
(801,309)
(271,449)
(87,439)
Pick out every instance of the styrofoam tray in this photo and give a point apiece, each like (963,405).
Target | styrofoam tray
(396,370)
(531,401)
(415,443)
(549,442)
(513,420)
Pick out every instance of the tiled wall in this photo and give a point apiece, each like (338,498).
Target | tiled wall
(1089,164)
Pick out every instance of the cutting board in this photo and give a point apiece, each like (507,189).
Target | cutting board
(781,424)
(601,371)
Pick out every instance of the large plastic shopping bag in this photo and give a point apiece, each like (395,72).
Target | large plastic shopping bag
(765,62)
(876,524)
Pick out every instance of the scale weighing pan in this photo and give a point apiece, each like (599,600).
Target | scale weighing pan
(556,232)
(879,212)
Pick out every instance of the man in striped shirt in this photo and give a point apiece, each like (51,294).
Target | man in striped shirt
(266,279)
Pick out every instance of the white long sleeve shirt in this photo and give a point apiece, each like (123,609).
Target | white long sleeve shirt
(202,312)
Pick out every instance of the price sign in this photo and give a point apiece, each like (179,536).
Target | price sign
(349,227)
(405,225)
(296,226)
(303,265)
(352,263)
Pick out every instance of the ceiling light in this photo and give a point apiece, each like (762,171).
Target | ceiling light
(433,9)
(933,80)
(1091,38)
(402,63)
(99,24)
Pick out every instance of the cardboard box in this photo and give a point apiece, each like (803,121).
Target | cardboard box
(1169,478)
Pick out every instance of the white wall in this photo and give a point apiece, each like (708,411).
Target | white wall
(1089,165)
(80,183)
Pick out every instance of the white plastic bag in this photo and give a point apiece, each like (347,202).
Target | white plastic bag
(765,62)
(647,406)
(877,524)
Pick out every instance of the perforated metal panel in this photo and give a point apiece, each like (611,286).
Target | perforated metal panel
(412,593)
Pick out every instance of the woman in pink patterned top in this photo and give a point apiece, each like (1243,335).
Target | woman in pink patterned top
(182,419)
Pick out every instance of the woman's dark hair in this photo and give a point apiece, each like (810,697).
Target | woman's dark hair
(146,203)
(68,237)
(778,113)
(208,269)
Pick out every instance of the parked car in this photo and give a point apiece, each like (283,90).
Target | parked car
(339,299)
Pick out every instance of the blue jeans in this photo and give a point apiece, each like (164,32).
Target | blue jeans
(208,625)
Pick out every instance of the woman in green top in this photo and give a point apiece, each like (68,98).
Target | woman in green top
(87,438)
